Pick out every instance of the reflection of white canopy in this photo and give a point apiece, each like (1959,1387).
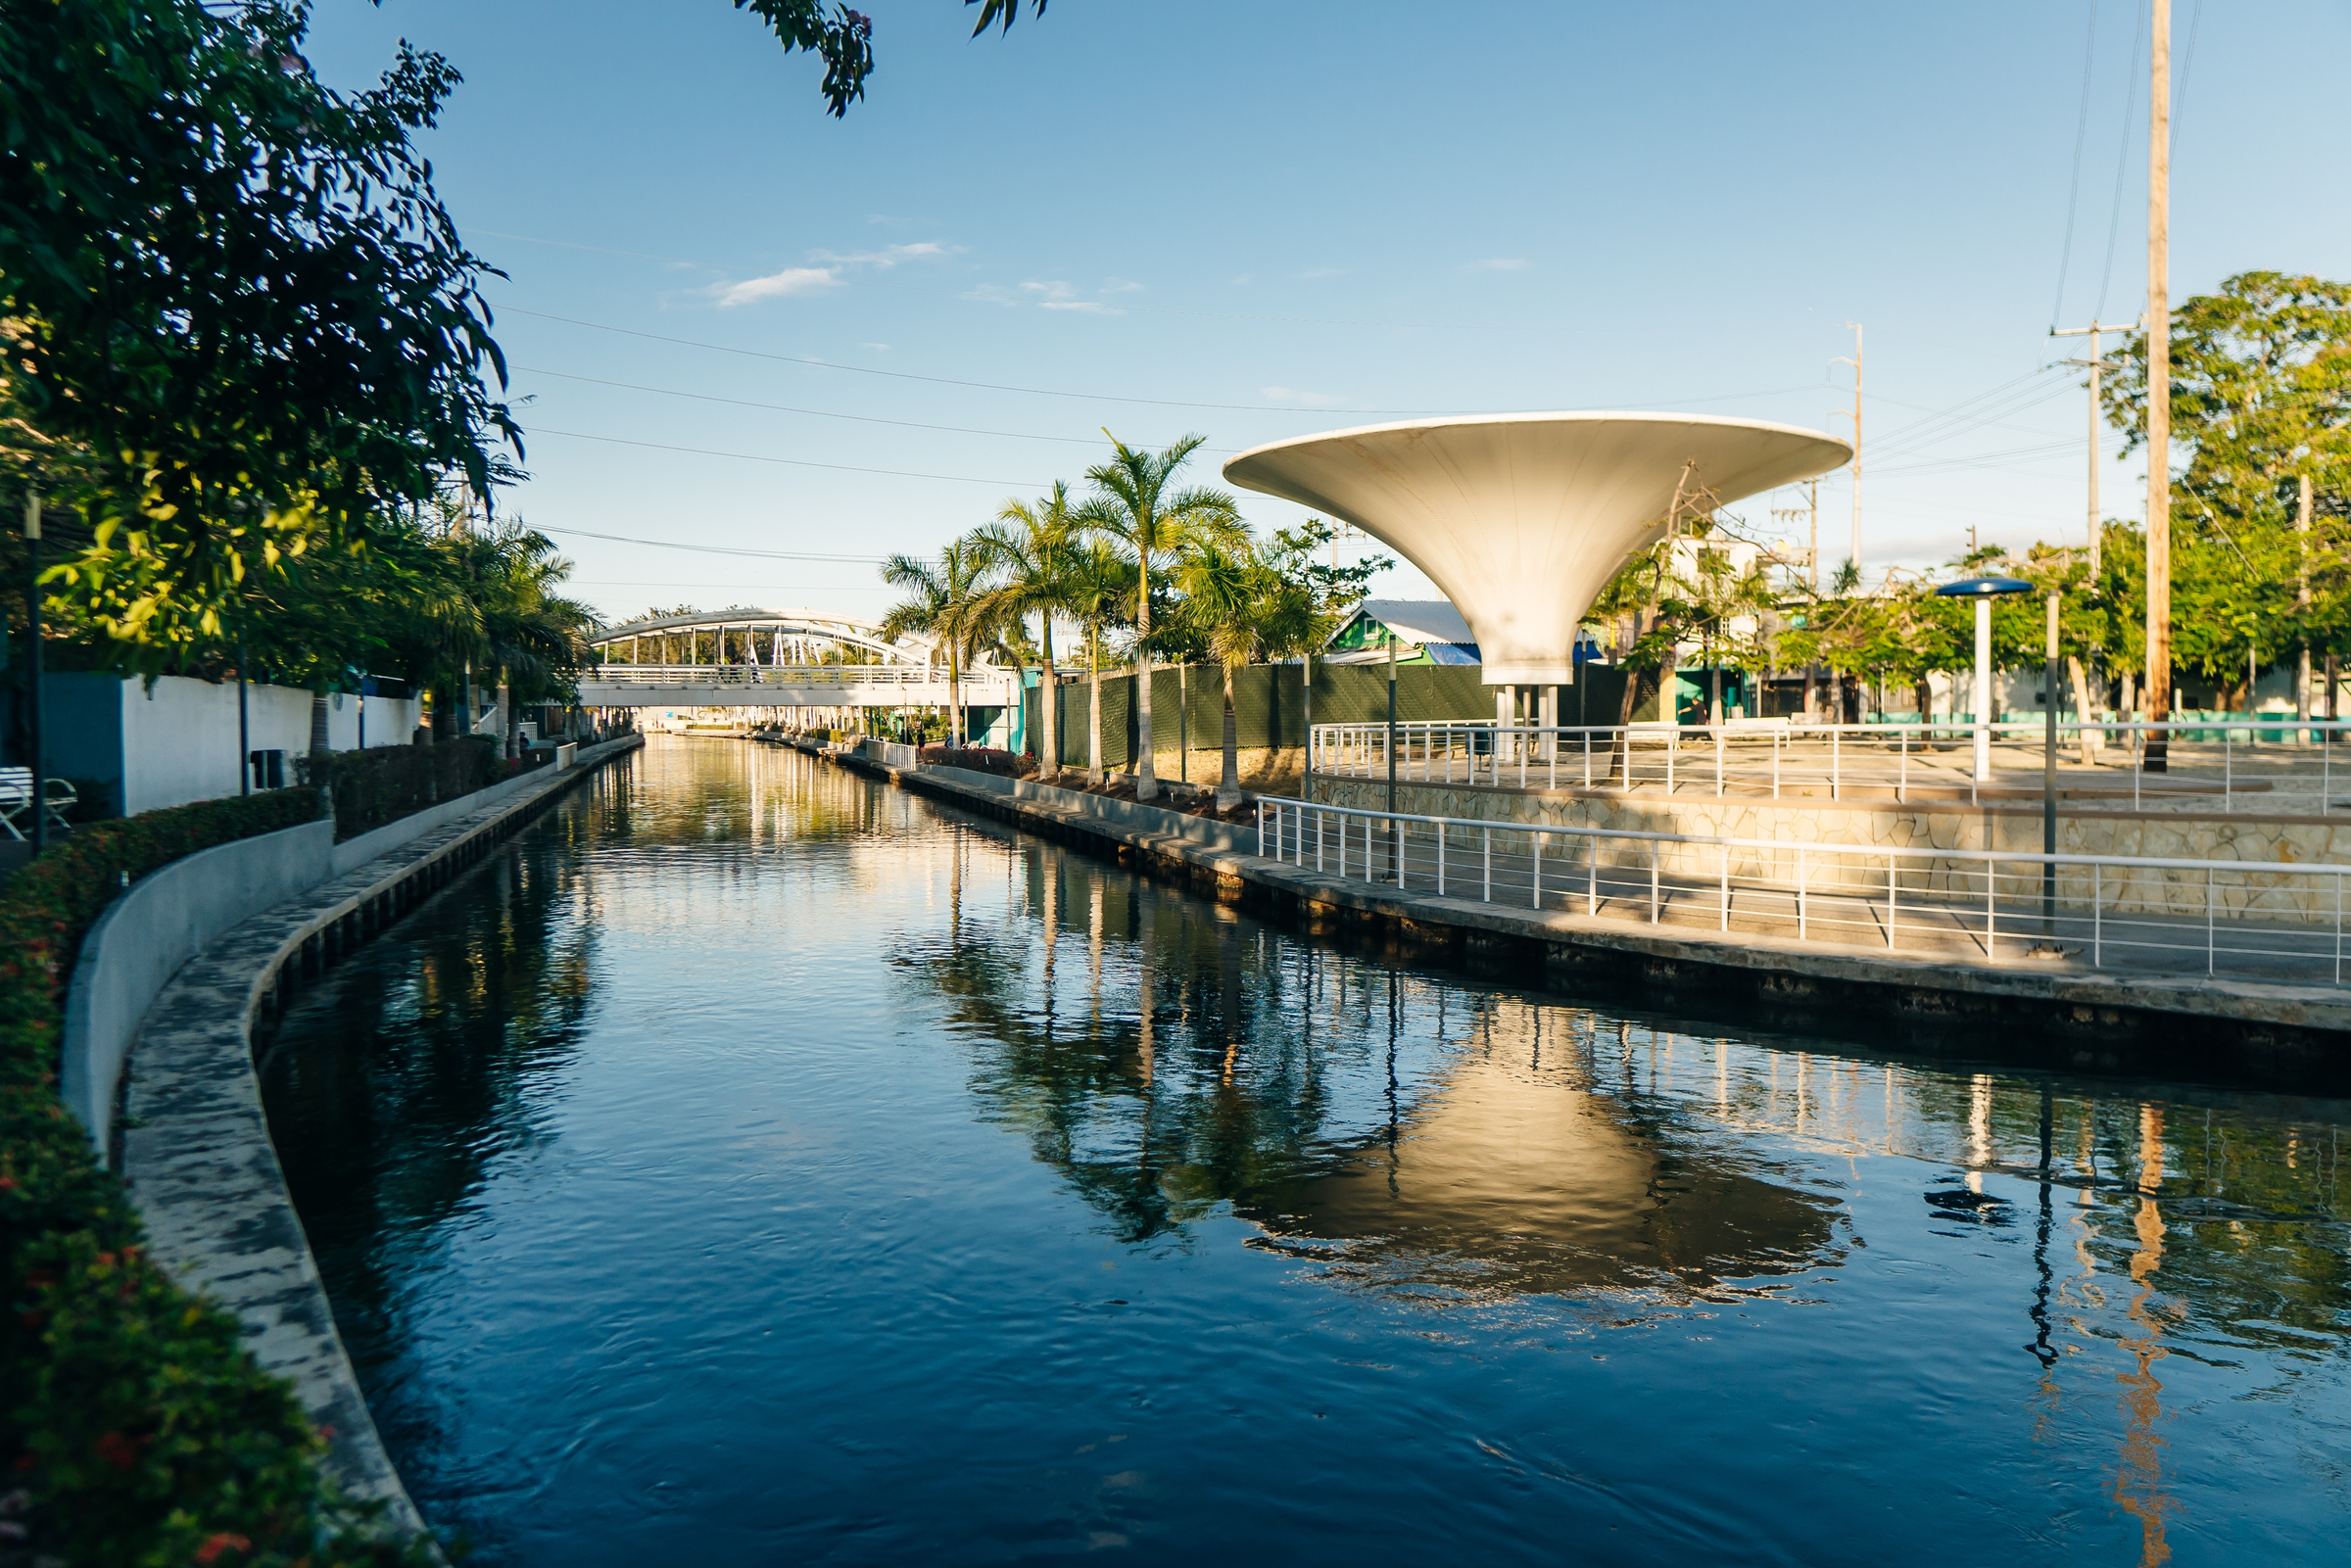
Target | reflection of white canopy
(1522,519)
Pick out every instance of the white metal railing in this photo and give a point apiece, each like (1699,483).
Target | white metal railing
(2281,767)
(699,674)
(2256,919)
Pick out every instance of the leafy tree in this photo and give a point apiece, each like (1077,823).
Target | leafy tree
(844,38)
(241,324)
(1101,580)
(2261,396)
(1135,503)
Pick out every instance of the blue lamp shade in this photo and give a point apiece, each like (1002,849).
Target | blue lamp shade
(1984,588)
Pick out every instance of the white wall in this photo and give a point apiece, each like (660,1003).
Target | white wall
(179,737)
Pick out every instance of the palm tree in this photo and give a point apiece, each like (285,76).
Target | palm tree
(1233,598)
(1134,505)
(1100,580)
(1034,547)
(941,605)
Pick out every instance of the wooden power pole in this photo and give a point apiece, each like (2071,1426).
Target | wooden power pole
(2159,384)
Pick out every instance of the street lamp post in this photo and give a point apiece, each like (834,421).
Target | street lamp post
(1983,590)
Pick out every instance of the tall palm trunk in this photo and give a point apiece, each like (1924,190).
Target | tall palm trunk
(1093,718)
(954,699)
(1048,720)
(1229,786)
(1147,783)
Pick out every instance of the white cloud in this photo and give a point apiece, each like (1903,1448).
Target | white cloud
(1081,306)
(878,348)
(776,285)
(1499,264)
(1120,286)
(889,255)
(1304,399)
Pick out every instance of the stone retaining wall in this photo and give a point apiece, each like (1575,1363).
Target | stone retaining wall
(197,1153)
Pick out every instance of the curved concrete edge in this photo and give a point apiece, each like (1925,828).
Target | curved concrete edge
(353,853)
(197,1152)
(2190,1026)
(144,935)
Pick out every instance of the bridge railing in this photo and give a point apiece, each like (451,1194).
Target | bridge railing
(2156,918)
(701,675)
(2280,767)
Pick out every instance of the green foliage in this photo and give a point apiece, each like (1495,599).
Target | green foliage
(2261,396)
(385,784)
(138,1427)
(241,326)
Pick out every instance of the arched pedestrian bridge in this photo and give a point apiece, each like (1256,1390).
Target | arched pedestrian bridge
(776,658)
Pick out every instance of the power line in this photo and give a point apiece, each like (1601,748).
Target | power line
(1088,397)
(822,413)
(2122,157)
(717,550)
(950,381)
(794,463)
(2065,259)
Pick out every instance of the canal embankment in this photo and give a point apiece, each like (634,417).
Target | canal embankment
(2288,1036)
(194,1145)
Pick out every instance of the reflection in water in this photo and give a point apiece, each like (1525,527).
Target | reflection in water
(759,1153)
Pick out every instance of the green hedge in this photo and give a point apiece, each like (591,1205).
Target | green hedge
(137,1427)
(385,784)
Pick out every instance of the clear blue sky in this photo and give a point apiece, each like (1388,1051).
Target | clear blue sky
(1312,213)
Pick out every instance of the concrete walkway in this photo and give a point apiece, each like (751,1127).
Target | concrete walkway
(197,1153)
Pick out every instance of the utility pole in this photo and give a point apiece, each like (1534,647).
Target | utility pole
(2097,524)
(1855,362)
(2159,386)
(33,657)
(2302,603)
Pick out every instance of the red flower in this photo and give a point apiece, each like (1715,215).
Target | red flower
(118,1451)
(223,1541)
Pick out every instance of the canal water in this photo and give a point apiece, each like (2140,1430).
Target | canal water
(758,1164)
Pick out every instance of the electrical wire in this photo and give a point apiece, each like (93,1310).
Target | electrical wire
(1087,396)
(822,414)
(2072,195)
(2122,157)
(717,550)
(794,463)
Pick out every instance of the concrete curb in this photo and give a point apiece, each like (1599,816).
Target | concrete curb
(197,1153)
(2290,1036)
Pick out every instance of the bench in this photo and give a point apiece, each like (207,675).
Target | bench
(16,801)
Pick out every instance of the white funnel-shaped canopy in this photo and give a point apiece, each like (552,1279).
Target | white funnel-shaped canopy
(1522,519)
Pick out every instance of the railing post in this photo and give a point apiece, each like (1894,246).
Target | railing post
(1804,910)
(1657,850)
(1723,907)
(2229,763)
(1487,851)
(1535,843)
(1718,735)
(1587,759)
(1775,766)
(2208,922)
(1440,860)
(2097,916)
(1592,867)
(1893,885)
(1992,916)
(1902,778)
(1835,759)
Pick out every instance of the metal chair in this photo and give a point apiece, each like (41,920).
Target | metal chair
(16,801)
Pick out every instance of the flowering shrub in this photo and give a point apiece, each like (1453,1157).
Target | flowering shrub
(980,759)
(133,1426)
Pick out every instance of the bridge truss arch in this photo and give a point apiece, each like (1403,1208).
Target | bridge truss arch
(776,638)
